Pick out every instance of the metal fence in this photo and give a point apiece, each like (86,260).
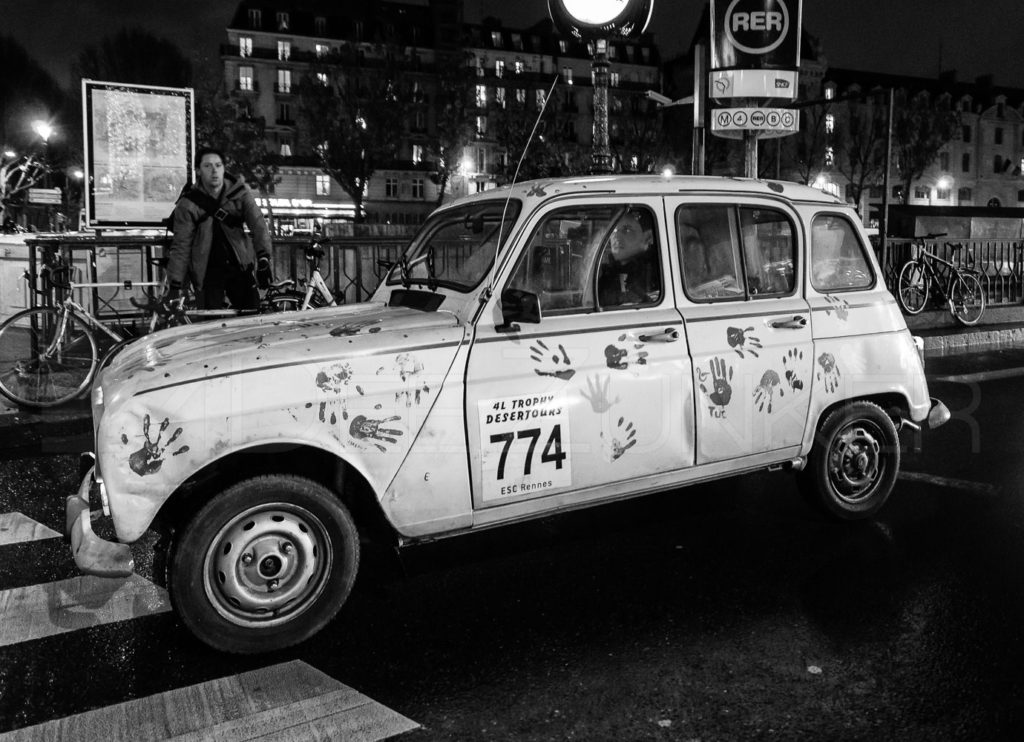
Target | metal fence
(998,262)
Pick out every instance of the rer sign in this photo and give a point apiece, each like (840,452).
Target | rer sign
(755,35)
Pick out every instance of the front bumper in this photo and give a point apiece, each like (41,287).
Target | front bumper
(93,555)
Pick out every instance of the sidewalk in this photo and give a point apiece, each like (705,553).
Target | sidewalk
(949,349)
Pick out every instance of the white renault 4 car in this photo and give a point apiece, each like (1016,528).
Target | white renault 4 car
(549,346)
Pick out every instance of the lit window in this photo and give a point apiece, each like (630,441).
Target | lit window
(612,51)
(321,77)
(481,159)
(830,92)
(284,50)
(518,66)
(613,79)
(567,75)
(481,125)
(391,187)
(284,81)
(942,194)
(496,38)
(542,96)
(322,50)
(481,96)
(521,96)
(921,193)
(323,185)
(830,156)
(286,149)
(255,18)
(245,80)
(282,21)
(479,64)
(499,96)
(563,46)
(499,68)
(417,153)
(245,46)
(417,188)
(830,123)
(320,26)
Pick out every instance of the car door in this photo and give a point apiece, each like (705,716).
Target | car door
(747,323)
(598,391)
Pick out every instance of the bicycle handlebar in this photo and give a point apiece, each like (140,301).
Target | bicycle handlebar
(931,236)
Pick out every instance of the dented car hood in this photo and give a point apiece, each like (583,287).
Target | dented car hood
(249,344)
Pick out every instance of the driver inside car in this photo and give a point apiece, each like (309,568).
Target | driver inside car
(630,273)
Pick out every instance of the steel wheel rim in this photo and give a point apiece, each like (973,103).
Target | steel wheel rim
(267,565)
(855,461)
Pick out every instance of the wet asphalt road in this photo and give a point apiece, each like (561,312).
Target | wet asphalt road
(720,612)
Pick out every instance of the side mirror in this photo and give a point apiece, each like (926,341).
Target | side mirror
(518,306)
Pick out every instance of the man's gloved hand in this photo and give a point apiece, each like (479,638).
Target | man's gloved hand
(264,276)
(173,293)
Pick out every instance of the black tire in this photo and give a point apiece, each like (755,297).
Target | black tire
(912,287)
(289,301)
(853,466)
(966,299)
(33,376)
(223,564)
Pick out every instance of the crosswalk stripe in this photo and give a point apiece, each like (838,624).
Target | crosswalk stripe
(52,608)
(289,701)
(16,528)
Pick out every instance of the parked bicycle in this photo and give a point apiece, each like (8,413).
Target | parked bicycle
(315,293)
(925,273)
(49,354)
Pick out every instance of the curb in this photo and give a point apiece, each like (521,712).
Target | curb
(967,342)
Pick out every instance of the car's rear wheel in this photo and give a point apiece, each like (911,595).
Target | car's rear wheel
(853,466)
(264,565)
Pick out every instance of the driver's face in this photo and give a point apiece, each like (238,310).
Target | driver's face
(628,239)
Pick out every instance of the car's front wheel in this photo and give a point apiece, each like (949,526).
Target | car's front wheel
(853,466)
(264,565)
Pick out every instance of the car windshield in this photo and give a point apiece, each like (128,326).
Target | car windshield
(456,247)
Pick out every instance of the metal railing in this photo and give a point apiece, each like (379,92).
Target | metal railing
(998,262)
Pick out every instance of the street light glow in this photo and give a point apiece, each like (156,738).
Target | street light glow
(944,182)
(43,129)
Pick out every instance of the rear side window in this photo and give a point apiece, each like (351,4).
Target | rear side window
(735,252)
(838,259)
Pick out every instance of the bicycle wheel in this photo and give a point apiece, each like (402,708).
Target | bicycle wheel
(289,301)
(40,366)
(912,287)
(966,298)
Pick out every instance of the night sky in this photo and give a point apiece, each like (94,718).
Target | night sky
(913,37)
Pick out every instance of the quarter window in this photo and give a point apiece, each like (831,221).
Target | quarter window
(838,258)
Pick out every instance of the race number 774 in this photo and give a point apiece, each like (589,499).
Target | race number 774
(552,449)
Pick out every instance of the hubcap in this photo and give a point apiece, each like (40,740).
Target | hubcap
(267,565)
(855,461)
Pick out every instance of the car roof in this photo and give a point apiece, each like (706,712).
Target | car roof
(651,185)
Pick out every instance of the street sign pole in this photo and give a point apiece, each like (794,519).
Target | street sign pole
(750,153)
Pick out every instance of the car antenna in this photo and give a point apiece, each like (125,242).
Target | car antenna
(504,211)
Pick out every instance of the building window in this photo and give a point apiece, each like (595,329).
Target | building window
(321,77)
(284,114)
(481,159)
(1020,195)
(964,194)
(481,125)
(521,96)
(830,156)
(499,96)
(322,50)
(542,96)
(417,154)
(613,51)
(897,192)
(479,64)
(496,38)
(613,79)
(567,75)
(323,185)
(245,79)
(255,18)
(830,91)
(320,26)
(943,160)
(920,192)
(942,194)
(282,21)
(563,46)
(417,188)
(997,164)
(419,121)
(359,30)
(966,133)
(965,162)
(284,50)
(646,54)
(286,149)
(518,66)
(998,135)
(284,81)
(517,41)
(499,68)
(245,46)
(391,187)
(481,96)
(830,123)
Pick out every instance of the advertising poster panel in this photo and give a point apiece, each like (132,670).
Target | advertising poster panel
(755,48)
(139,141)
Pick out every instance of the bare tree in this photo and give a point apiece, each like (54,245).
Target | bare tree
(804,154)
(454,125)
(353,112)
(134,55)
(16,177)
(860,143)
(921,127)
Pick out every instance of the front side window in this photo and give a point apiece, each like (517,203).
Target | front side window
(838,258)
(592,258)
(730,252)
(459,244)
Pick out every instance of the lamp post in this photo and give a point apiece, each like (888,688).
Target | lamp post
(45,131)
(597,21)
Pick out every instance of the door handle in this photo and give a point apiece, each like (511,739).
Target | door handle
(796,322)
(668,335)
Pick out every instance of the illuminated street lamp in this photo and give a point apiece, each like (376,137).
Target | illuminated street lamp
(597,21)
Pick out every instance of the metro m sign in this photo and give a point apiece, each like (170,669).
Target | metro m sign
(755,34)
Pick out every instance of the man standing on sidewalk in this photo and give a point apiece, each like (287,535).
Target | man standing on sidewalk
(209,248)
